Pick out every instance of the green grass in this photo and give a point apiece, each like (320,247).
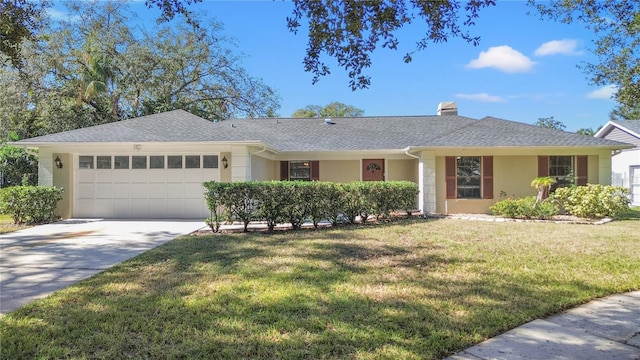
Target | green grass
(414,289)
(7,225)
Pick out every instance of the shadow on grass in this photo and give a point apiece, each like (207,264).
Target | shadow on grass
(631,214)
(284,296)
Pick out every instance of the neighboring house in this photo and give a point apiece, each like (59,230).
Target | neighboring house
(625,164)
(154,166)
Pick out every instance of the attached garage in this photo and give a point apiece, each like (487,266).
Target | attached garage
(143,186)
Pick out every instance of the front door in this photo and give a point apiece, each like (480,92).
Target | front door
(373,170)
(634,184)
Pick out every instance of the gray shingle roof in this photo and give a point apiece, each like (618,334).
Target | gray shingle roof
(344,134)
(633,125)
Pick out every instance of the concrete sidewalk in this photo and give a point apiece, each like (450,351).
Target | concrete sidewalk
(37,261)
(607,328)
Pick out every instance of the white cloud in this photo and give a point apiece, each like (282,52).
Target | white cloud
(563,47)
(58,15)
(482,97)
(503,58)
(605,92)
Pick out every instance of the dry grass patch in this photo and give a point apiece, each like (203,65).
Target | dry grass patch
(414,289)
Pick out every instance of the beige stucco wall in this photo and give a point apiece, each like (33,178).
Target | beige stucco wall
(406,170)
(263,169)
(512,176)
(62,179)
(340,171)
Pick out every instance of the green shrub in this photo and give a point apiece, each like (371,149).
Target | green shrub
(524,208)
(296,201)
(593,200)
(30,204)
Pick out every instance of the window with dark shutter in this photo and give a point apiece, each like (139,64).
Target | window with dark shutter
(543,166)
(284,170)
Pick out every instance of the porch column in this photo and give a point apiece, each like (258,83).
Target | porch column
(427,182)
(240,164)
(604,167)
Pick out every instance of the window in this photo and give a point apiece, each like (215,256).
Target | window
(468,177)
(300,170)
(561,169)
(192,161)
(103,162)
(174,162)
(85,162)
(156,162)
(138,162)
(121,162)
(210,161)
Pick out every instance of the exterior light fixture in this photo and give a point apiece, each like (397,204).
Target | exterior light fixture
(58,162)
(225,162)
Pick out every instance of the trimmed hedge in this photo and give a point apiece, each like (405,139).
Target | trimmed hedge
(30,204)
(296,201)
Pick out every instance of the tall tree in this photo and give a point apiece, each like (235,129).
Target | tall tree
(334,109)
(616,24)
(550,123)
(98,70)
(19,20)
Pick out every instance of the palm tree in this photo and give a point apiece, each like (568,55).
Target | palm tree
(543,184)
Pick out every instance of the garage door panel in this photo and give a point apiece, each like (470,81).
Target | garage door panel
(121,191)
(175,190)
(103,208)
(175,175)
(104,191)
(139,208)
(86,191)
(138,191)
(85,208)
(86,176)
(139,176)
(121,208)
(176,206)
(194,190)
(158,191)
(158,208)
(104,176)
(121,176)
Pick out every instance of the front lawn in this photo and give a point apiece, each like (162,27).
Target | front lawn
(414,289)
(7,225)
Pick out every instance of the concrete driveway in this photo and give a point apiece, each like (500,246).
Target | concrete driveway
(37,261)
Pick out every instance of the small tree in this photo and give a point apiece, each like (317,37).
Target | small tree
(543,184)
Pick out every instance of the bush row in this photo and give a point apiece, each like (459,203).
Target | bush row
(295,201)
(30,204)
(590,201)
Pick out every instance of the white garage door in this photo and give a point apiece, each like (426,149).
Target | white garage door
(143,186)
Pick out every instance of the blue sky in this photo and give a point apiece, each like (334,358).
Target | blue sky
(523,69)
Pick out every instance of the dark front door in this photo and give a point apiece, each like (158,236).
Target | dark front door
(373,170)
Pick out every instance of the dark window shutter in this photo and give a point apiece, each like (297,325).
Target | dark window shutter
(581,170)
(487,177)
(315,170)
(543,166)
(284,170)
(450,171)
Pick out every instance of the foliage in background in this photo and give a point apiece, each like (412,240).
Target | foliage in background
(616,25)
(296,201)
(96,67)
(593,200)
(334,109)
(17,167)
(30,204)
(550,123)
